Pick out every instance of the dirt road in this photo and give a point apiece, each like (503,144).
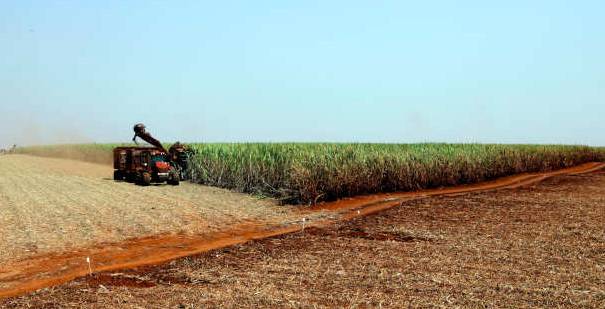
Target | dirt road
(73,208)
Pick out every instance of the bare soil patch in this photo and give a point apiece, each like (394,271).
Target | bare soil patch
(539,246)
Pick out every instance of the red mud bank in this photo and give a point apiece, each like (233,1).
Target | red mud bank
(37,272)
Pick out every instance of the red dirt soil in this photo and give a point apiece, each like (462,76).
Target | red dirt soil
(42,271)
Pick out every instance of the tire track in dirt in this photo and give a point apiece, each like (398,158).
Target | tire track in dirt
(51,269)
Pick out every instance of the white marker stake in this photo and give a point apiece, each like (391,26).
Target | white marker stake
(89,268)
(303,224)
(358,212)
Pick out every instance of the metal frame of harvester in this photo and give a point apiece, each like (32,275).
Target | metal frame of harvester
(144,165)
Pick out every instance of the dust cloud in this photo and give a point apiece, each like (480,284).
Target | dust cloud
(24,130)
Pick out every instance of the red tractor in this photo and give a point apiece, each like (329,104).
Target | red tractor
(143,165)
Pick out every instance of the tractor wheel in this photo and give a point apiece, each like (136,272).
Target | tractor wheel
(118,175)
(145,179)
(174,179)
(130,177)
(137,179)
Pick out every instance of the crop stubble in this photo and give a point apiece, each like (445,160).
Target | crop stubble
(541,246)
(393,233)
(50,205)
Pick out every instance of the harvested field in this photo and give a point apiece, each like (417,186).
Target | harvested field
(448,239)
(539,246)
(55,205)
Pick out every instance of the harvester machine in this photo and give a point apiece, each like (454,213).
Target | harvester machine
(180,155)
(144,165)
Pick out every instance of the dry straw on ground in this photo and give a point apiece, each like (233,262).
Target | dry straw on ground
(536,247)
(49,205)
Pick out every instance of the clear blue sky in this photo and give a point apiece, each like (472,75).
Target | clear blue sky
(344,71)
